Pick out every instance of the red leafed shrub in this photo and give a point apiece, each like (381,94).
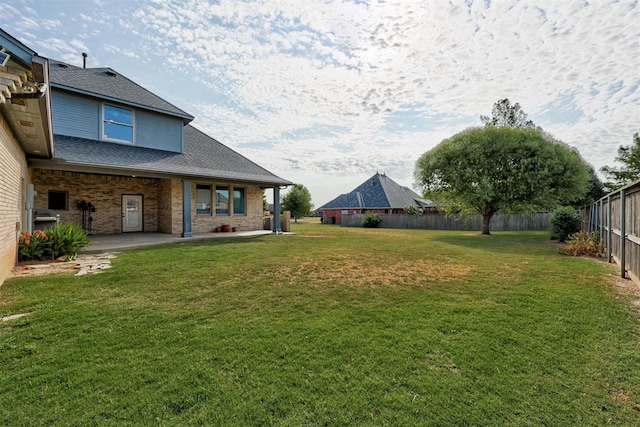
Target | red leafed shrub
(584,243)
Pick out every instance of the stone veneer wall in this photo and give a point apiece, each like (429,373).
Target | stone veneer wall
(103,191)
(252,220)
(14,177)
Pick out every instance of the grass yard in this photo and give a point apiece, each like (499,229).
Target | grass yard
(333,326)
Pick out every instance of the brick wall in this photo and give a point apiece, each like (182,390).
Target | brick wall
(169,206)
(103,191)
(162,202)
(166,193)
(14,176)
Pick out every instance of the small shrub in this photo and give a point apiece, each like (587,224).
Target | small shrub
(584,243)
(63,239)
(412,210)
(565,221)
(371,220)
(67,240)
(34,246)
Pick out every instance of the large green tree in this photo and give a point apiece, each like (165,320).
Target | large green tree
(501,169)
(297,201)
(505,114)
(595,190)
(629,156)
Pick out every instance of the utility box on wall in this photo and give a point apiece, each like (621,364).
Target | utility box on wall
(285,222)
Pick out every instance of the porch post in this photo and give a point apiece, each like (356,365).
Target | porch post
(609,228)
(186,209)
(276,210)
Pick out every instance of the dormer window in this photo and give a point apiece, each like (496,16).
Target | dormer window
(117,124)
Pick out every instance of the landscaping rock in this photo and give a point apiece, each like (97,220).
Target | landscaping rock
(84,264)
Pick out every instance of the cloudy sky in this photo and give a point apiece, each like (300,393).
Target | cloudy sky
(327,92)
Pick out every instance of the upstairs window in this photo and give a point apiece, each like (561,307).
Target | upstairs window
(117,124)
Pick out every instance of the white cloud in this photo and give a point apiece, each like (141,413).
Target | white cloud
(326,89)
(352,65)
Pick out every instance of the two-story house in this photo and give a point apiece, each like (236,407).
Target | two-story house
(138,162)
(103,151)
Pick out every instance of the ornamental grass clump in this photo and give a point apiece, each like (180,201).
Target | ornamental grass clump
(63,239)
(584,243)
(68,239)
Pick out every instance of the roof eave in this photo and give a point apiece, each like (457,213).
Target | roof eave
(187,118)
(18,50)
(145,173)
(26,66)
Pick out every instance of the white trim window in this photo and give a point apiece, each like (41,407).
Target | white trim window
(239,201)
(203,199)
(117,124)
(222,200)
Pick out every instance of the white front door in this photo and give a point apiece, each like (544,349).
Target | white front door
(131,213)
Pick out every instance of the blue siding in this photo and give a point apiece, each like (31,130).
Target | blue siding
(75,115)
(79,116)
(158,131)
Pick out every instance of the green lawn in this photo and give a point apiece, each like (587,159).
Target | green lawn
(333,326)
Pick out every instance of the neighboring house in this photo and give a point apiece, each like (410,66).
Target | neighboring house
(378,194)
(102,151)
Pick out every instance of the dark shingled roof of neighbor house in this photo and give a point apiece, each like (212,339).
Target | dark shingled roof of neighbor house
(203,157)
(379,191)
(106,83)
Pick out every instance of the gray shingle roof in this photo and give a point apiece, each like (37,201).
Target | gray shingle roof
(109,84)
(379,191)
(203,157)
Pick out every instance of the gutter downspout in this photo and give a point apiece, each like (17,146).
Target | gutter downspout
(29,207)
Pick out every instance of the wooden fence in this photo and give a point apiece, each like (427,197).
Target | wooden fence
(500,222)
(617,219)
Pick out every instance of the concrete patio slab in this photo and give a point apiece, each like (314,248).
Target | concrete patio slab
(116,242)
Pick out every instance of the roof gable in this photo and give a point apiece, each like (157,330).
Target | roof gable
(110,85)
(379,191)
(16,48)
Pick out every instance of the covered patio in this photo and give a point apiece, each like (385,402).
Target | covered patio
(117,242)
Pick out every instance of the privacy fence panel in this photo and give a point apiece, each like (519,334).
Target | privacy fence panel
(617,219)
(500,222)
